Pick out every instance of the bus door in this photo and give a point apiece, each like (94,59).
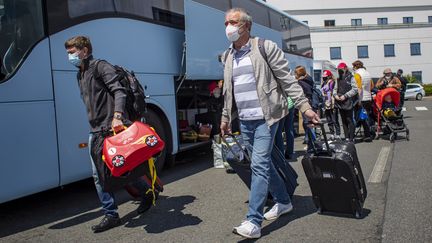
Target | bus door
(28,143)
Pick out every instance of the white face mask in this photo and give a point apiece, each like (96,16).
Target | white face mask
(232,32)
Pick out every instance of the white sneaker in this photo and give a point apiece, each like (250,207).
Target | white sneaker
(248,229)
(277,210)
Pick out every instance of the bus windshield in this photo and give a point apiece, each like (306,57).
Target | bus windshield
(21,26)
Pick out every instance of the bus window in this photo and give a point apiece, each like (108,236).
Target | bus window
(79,8)
(222,5)
(258,11)
(298,41)
(21,27)
(277,21)
(165,11)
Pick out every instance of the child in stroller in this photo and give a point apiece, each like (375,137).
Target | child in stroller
(389,108)
(389,117)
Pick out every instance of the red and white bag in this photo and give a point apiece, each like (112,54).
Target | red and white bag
(131,147)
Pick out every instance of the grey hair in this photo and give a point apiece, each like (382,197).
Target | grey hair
(244,16)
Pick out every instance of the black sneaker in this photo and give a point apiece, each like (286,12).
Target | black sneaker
(367,139)
(106,223)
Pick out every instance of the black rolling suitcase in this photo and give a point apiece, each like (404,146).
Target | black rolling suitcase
(238,158)
(335,178)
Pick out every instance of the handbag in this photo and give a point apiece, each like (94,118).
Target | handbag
(109,182)
(133,146)
(218,161)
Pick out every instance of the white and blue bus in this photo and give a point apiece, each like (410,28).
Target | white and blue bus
(172,45)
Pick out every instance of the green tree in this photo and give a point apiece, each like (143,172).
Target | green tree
(410,78)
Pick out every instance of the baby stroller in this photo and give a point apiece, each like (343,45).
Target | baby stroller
(389,125)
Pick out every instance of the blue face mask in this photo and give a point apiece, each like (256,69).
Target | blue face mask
(74,59)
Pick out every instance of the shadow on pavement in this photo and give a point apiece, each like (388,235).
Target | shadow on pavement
(49,206)
(365,213)
(167,215)
(303,206)
(79,201)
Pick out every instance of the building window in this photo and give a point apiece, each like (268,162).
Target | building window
(356,22)
(305,21)
(430,19)
(408,20)
(362,52)
(329,23)
(389,50)
(335,53)
(382,21)
(417,75)
(415,49)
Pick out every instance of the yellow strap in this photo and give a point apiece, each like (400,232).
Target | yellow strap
(153,175)
(358,79)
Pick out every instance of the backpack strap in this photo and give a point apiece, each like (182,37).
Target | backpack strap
(226,53)
(96,74)
(262,50)
(95,70)
(264,54)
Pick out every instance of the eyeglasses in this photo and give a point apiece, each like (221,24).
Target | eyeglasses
(231,22)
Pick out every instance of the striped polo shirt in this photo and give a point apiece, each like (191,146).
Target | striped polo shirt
(245,88)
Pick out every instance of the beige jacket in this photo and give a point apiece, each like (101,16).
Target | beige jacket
(272,91)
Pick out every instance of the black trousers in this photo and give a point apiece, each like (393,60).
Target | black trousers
(332,118)
(402,99)
(347,117)
(365,123)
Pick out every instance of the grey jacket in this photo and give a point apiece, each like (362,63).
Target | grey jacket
(272,91)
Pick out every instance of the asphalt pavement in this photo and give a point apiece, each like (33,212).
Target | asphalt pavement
(202,204)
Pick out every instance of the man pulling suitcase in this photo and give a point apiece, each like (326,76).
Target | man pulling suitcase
(336,178)
(259,111)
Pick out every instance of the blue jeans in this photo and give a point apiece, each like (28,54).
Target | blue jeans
(109,206)
(287,124)
(259,140)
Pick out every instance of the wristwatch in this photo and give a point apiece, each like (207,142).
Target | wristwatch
(117,116)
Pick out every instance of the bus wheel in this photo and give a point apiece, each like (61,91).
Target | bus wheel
(153,119)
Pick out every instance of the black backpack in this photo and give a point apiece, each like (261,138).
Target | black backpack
(317,101)
(135,106)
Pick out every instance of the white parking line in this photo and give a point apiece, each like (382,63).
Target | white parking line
(421,108)
(380,164)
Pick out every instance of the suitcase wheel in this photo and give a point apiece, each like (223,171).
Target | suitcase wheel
(358,214)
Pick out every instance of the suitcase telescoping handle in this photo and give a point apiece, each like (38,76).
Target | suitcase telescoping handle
(238,144)
(321,124)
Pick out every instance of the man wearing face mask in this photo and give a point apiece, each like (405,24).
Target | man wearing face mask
(346,96)
(256,91)
(105,99)
(389,80)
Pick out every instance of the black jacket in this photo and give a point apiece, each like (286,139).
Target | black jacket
(102,95)
(403,83)
(307,84)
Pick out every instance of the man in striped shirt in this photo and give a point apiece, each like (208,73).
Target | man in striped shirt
(256,91)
